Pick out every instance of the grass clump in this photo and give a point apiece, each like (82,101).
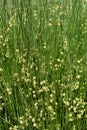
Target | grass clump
(43,65)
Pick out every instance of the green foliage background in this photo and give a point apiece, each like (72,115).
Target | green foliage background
(43,65)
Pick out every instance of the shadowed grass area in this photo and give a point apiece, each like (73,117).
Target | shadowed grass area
(43,65)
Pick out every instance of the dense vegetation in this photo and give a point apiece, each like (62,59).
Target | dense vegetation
(43,65)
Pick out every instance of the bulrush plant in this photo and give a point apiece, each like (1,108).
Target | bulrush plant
(43,65)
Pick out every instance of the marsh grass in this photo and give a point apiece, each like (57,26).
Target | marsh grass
(43,65)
